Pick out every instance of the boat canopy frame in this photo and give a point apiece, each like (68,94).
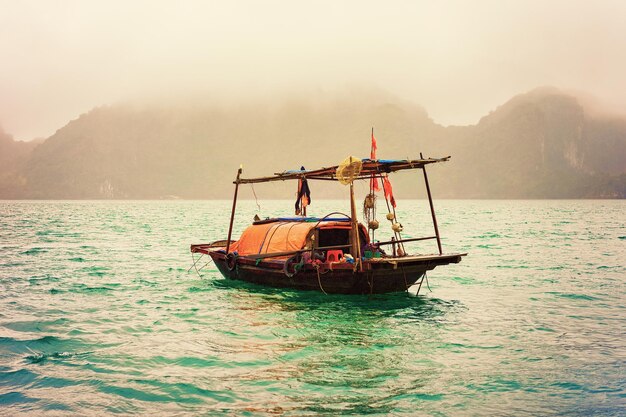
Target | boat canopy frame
(371,168)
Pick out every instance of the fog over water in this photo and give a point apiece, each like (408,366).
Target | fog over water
(457,59)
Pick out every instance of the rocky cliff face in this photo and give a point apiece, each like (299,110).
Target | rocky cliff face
(542,144)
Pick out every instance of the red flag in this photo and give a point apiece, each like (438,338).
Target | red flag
(374,146)
(389,191)
(374,181)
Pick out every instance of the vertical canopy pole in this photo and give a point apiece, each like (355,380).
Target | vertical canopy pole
(373,184)
(432,207)
(356,246)
(232,213)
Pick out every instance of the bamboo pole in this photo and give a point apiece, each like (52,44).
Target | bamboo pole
(372,179)
(232,213)
(432,207)
(356,246)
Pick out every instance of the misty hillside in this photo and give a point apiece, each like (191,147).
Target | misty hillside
(542,144)
(13,156)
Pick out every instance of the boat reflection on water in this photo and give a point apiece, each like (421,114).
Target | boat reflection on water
(313,353)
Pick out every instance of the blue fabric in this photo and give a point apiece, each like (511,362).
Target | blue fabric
(311,219)
(383,161)
(389,161)
(296,171)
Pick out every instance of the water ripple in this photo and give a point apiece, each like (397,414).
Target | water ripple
(99,316)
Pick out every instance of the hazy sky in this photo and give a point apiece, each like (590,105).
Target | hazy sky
(459,59)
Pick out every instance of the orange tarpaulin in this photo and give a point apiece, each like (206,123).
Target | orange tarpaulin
(276,237)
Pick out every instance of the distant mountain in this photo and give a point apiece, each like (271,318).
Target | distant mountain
(542,144)
(13,157)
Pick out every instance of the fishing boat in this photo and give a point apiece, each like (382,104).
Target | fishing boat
(335,253)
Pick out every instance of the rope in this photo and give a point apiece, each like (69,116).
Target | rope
(256,200)
(396,234)
(319,279)
(201,268)
(406,285)
(273,229)
(328,215)
(195,261)
(421,282)
(399,235)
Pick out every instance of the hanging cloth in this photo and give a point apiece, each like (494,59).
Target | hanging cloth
(304,195)
(389,191)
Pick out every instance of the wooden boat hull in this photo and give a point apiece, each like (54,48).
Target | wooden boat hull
(378,276)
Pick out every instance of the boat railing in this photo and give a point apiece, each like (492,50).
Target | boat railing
(414,239)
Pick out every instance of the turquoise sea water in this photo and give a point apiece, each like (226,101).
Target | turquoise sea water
(99,316)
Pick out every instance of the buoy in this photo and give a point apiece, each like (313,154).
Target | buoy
(373,224)
(396,227)
(390,216)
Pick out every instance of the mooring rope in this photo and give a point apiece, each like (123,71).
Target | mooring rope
(421,282)
(195,261)
(203,266)
(319,279)
(369,283)
(406,285)
(195,264)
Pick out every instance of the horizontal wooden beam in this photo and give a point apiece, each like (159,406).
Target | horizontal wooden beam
(293,252)
(415,239)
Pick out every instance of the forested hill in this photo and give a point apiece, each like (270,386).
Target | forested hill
(13,157)
(542,144)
